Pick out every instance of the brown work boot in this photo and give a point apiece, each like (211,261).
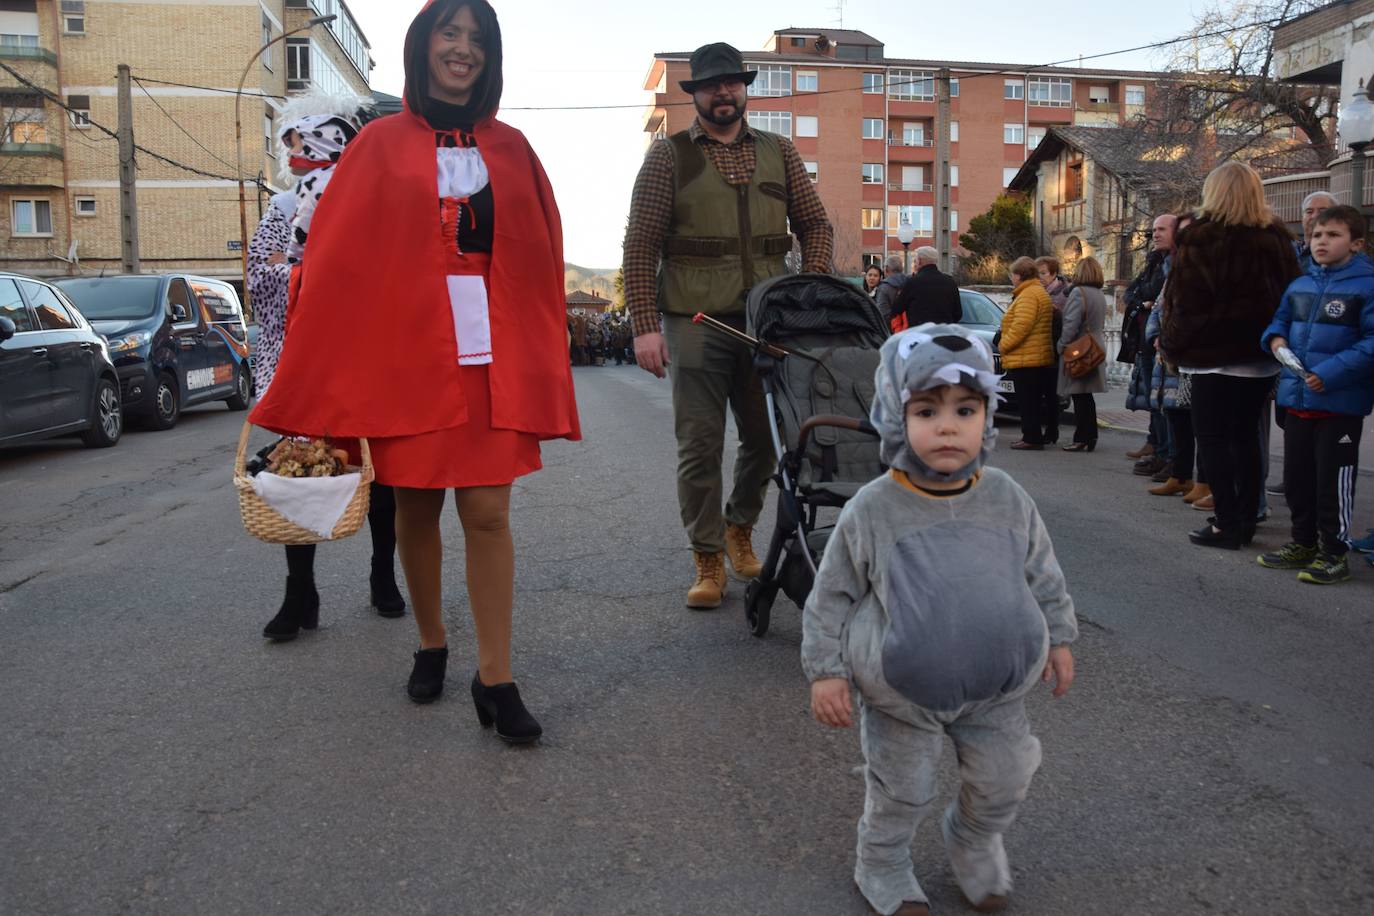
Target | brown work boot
(1198,491)
(1205,504)
(739,547)
(709,587)
(1172,487)
(1144,451)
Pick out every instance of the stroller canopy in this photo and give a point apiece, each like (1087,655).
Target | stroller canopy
(796,306)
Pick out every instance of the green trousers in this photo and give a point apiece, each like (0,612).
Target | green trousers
(710,371)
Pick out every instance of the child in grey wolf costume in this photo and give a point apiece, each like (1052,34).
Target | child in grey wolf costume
(939,597)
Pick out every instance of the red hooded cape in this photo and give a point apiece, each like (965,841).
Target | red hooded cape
(370,349)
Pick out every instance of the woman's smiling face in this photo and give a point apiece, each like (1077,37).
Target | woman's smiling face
(456,58)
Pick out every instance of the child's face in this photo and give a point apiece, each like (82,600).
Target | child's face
(1331,243)
(944,426)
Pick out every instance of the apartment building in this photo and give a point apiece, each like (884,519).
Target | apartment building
(59,173)
(864,123)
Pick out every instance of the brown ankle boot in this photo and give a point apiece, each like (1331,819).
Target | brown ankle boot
(1172,487)
(1199,491)
(1144,451)
(709,587)
(739,547)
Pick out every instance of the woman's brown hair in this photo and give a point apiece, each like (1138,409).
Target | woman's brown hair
(486,94)
(1046,261)
(1233,195)
(1088,273)
(1023,268)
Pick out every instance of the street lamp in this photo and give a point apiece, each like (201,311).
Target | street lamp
(905,234)
(1355,124)
(238,148)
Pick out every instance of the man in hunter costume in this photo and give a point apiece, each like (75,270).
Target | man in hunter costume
(709,219)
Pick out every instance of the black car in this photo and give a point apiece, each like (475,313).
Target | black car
(176,340)
(56,377)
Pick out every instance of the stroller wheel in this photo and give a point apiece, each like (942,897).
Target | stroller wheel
(758,605)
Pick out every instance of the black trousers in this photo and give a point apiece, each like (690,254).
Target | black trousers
(1030,385)
(1181,431)
(1320,458)
(1084,418)
(1226,416)
(1051,409)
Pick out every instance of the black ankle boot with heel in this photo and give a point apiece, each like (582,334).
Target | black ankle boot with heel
(501,706)
(386,597)
(427,677)
(300,610)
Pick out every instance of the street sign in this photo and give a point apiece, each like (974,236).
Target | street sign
(235,245)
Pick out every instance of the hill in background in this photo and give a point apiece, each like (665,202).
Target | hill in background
(590,279)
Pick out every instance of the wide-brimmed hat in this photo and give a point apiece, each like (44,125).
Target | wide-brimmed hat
(716,61)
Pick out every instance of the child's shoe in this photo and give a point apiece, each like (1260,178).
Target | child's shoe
(1325,570)
(1290,556)
(1366,543)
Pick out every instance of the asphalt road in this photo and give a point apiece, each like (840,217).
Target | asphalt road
(1216,754)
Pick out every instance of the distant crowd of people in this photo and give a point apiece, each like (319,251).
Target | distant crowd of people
(596,338)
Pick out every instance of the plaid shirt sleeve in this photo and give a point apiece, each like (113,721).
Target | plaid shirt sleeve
(651,210)
(806,214)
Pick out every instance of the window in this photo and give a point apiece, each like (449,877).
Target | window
(268,144)
(22,119)
(954,176)
(771,80)
(775,122)
(807,81)
(919,218)
(871,218)
(74,25)
(872,259)
(1099,95)
(178,294)
(85,206)
(813,170)
(954,221)
(873,83)
(1073,181)
(267,37)
(12,306)
(917,85)
(872,173)
(954,88)
(807,125)
(1013,89)
(914,134)
(52,314)
(79,111)
(914,178)
(798,42)
(1008,174)
(298,63)
(1050,91)
(1013,133)
(30,217)
(873,129)
(953,131)
(1135,95)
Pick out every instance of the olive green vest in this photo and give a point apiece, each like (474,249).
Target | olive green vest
(724,238)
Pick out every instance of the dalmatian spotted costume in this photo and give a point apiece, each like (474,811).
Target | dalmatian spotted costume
(324,133)
(941,609)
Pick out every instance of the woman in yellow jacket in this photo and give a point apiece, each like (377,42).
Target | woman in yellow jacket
(1027,347)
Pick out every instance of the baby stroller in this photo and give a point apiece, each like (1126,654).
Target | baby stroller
(815,340)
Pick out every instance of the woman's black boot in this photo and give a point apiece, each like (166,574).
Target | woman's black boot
(386,597)
(501,706)
(300,610)
(427,677)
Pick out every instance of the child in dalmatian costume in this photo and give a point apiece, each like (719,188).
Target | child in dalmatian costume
(939,597)
(315,130)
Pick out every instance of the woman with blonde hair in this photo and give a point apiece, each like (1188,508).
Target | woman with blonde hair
(1085,312)
(1228,271)
(1027,347)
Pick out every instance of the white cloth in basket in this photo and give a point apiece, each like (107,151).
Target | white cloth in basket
(314,503)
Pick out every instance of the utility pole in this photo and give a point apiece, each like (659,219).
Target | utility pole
(942,169)
(128,193)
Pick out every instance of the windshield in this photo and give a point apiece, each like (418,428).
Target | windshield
(114,299)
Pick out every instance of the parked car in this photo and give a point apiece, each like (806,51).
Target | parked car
(56,377)
(176,340)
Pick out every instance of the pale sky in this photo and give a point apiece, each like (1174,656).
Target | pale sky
(597,53)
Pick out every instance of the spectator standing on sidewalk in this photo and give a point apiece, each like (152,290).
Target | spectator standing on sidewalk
(1327,319)
(687,250)
(928,295)
(1085,312)
(873,276)
(1141,297)
(1228,274)
(893,281)
(1028,351)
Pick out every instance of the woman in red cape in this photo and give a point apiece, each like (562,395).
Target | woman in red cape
(428,316)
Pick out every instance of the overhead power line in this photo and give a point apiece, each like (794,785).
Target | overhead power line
(251,95)
(179,127)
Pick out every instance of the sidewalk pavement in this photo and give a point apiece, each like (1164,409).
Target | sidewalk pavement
(1138,421)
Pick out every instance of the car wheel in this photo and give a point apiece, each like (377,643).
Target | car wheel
(166,402)
(243,390)
(108,422)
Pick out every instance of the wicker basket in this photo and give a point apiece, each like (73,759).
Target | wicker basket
(267,524)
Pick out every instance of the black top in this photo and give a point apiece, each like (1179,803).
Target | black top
(446,119)
(929,295)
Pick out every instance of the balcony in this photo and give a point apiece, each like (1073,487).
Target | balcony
(900,186)
(50,150)
(910,141)
(1068,217)
(18,52)
(1104,107)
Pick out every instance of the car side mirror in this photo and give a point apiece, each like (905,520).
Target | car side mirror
(7,329)
(178,312)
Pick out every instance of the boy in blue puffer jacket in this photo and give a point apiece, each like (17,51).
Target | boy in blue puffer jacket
(1326,319)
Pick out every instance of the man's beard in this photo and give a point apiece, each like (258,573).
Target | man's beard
(709,114)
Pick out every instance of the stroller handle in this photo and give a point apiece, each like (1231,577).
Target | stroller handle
(830,419)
